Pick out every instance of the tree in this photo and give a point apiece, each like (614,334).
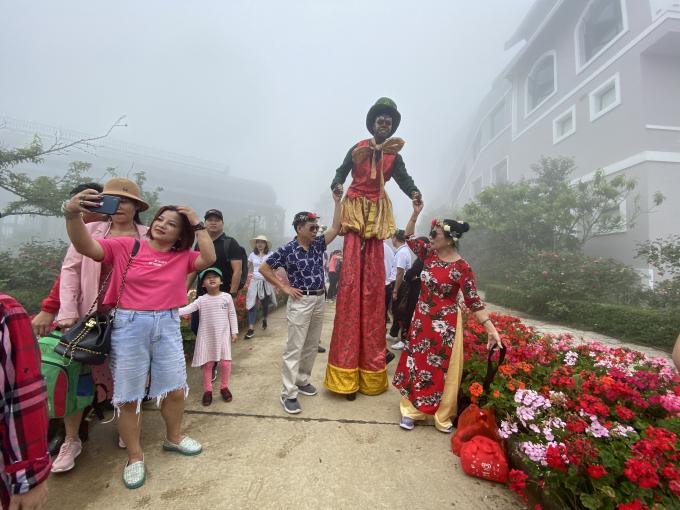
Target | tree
(43,195)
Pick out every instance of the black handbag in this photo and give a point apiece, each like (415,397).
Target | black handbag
(89,340)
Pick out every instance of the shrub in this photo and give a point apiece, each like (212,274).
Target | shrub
(654,327)
(28,274)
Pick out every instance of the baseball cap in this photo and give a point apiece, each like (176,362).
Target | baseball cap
(215,270)
(213,212)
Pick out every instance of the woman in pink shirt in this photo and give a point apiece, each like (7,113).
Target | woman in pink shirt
(79,282)
(146,339)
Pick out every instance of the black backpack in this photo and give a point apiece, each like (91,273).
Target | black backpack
(244,258)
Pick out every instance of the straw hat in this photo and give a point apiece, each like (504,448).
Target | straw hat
(121,187)
(260,238)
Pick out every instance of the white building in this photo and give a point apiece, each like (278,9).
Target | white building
(596,80)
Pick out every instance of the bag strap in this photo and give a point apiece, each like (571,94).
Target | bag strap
(491,370)
(135,249)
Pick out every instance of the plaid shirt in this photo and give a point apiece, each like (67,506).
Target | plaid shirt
(25,461)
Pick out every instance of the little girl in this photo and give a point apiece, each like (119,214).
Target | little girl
(217,328)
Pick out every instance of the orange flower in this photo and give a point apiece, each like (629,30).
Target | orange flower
(476,389)
(506,369)
(496,394)
(511,386)
(522,385)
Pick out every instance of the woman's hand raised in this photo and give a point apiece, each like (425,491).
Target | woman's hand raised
(82,202)
(418,205)
(191,215)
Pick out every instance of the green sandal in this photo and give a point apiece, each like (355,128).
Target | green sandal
(134,475)
(186,446)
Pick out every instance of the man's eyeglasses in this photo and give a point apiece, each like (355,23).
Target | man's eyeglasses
(434,234)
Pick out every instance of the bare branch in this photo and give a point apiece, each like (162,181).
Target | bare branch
(57,147)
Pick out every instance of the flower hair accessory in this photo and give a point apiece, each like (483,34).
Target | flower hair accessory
(439,223)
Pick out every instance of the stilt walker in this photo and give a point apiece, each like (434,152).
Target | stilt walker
(356,360)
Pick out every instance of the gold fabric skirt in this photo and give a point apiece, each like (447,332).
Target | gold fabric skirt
(370,219)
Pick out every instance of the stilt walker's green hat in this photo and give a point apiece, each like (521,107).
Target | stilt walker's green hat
(383,105)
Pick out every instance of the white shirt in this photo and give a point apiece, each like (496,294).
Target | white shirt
(389,259)
(257,261)
(402,259)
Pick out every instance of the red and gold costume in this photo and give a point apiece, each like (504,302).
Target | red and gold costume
(356,359)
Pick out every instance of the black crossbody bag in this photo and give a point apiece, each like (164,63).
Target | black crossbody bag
(89,340)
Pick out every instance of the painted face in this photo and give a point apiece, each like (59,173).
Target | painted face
(214,225)
(167,227)
(382,127)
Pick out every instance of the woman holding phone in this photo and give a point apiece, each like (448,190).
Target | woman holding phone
(80,280)
(146,339)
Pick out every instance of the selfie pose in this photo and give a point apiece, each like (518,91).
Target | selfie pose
(146,343)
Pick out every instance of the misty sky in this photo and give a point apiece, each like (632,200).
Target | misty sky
(277,90)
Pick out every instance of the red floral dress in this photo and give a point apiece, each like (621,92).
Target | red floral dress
(421,372)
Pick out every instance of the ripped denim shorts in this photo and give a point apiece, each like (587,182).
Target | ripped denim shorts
(146,351)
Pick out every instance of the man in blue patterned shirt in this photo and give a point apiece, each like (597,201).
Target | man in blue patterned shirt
(302,258)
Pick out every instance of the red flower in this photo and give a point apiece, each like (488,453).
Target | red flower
(596,471)
(476,389)
(642,473)
(624,413)
(671,472)
(633,505)
(554,458)
(674,486)
(517,482)
(578,425)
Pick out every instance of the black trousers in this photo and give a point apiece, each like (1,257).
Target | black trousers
(333,279)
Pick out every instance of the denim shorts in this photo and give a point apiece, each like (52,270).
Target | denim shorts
(146,350)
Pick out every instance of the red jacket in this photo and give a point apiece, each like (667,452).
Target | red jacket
(51,303)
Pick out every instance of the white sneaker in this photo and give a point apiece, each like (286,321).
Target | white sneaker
(398,346)
(391,338)
(121,443)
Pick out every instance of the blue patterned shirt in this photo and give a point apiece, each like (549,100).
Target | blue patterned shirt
(304,267)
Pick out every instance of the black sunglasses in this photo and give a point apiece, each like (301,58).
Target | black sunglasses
(434,234)
(314,228)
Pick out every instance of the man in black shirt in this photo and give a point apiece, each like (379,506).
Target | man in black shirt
(228,261)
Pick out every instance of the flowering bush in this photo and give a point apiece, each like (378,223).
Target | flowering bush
(595,427)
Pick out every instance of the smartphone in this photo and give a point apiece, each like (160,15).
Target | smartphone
(109,205)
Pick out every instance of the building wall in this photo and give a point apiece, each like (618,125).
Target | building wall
(645,60)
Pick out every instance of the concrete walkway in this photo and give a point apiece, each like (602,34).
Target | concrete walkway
(335,454)
(579,334)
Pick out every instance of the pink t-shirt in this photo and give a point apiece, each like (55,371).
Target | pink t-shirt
(156,280)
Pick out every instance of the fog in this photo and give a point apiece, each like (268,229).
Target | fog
(275,91)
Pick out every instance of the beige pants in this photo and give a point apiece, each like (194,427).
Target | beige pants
(305,320)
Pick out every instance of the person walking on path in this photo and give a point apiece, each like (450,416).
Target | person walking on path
(229,259)
(424,376)
(146,340)
(356,359)
(217,328)
(334,268)
(25,462)
(302,258)
(80,281)
(401,264)
(259,289)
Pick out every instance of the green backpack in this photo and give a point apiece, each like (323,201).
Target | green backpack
(69,383)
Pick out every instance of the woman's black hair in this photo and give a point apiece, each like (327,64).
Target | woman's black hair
(458,228)
(86,185)
(187,236)
(136,219)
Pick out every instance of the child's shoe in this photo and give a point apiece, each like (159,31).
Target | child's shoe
(207,398)
(226,394)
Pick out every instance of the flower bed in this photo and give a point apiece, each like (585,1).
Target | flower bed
(590,426)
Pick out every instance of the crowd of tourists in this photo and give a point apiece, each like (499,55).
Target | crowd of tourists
(146,278)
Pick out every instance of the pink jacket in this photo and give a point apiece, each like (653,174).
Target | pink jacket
(80,275)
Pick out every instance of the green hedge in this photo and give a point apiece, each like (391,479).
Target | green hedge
(648,326)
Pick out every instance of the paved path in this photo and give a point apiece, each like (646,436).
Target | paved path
(336,454)
(583,335)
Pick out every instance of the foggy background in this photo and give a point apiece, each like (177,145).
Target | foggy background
(273,91)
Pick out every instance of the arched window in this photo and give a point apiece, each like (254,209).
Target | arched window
(600,24)
(541,81)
